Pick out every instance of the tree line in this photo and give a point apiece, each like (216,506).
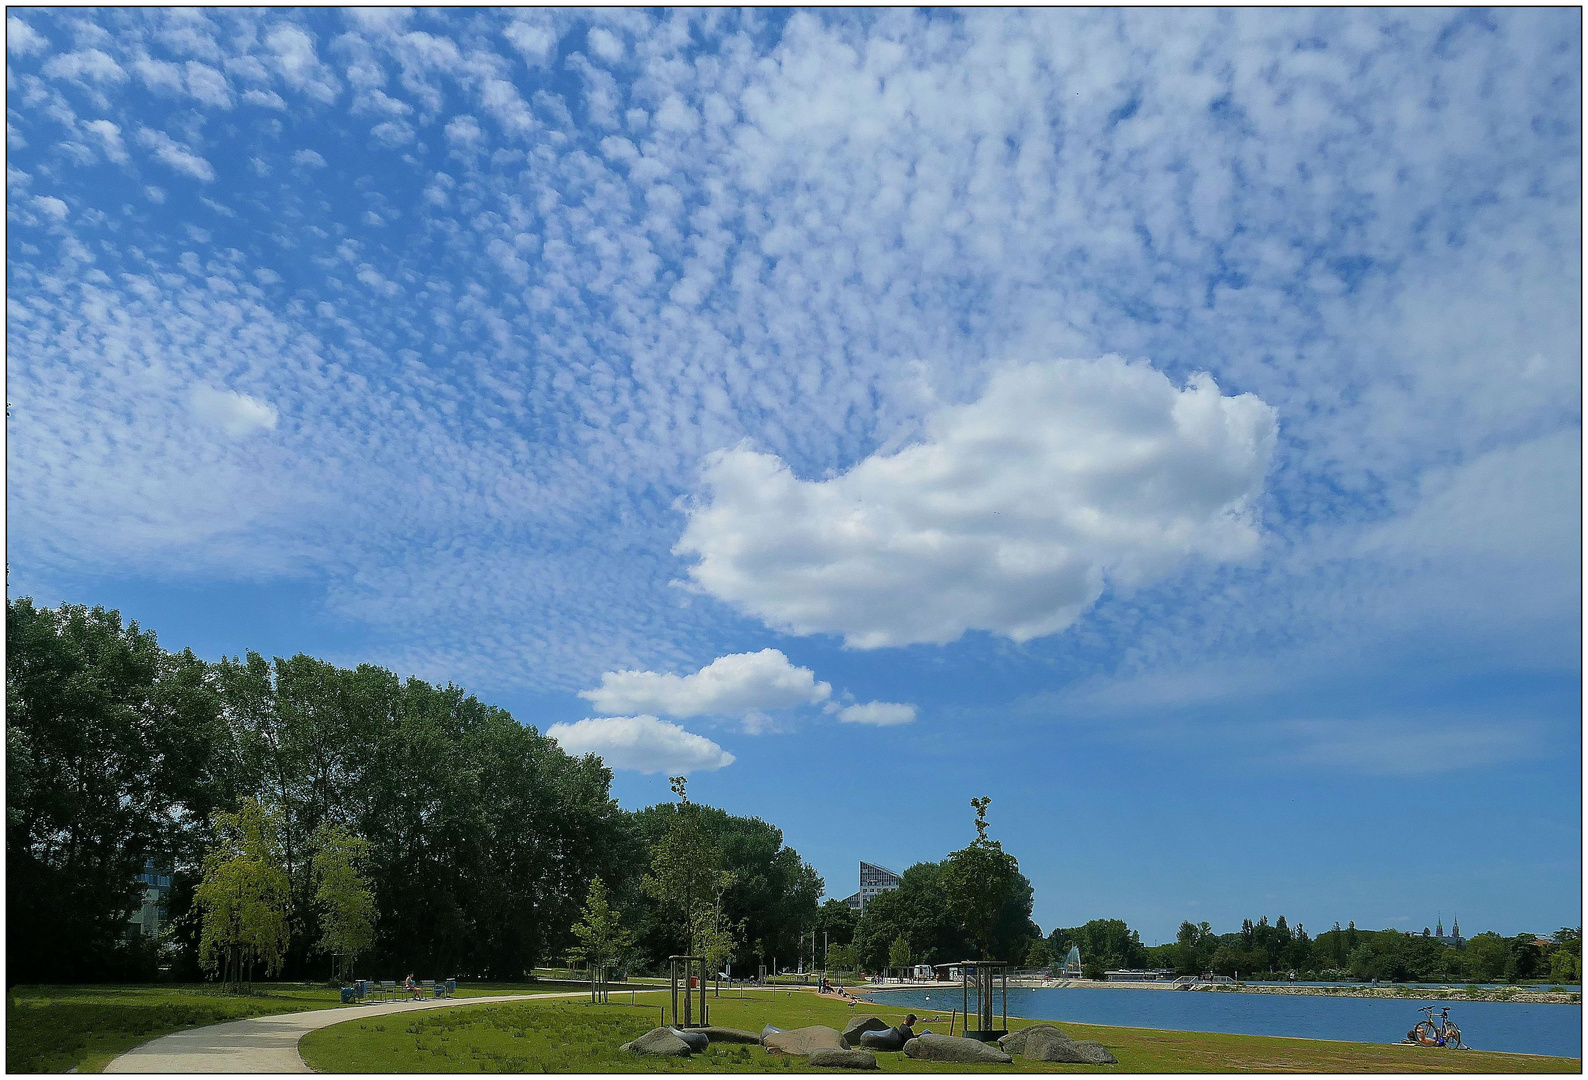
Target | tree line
(311,815)
(321,821)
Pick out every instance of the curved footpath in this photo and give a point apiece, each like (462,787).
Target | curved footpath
(269,1044)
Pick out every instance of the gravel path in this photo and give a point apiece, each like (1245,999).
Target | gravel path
(269,1044)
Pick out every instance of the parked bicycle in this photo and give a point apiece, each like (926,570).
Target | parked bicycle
(1436,1031)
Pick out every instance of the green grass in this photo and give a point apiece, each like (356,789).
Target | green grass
(572,1036)
(53,1028)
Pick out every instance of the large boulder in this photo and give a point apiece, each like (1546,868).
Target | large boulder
(891,1040)
(695,1040)
(843,1059)
(729,1035)
(1056,1046)
(1015,1041)
(802,1041)
(930,1047)
(658,1042)
(860,1024)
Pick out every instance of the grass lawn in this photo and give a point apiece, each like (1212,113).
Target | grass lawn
(572,1036)
(53,1028)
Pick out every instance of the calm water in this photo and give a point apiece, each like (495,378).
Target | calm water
(1485,1025)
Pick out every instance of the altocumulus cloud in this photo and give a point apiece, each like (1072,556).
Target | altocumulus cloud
(234,413)
(736,685)
(641,743)
(1010,515)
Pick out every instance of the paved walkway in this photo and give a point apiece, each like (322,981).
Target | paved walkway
(269,1044)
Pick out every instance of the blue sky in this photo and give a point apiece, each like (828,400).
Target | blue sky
(1167,423)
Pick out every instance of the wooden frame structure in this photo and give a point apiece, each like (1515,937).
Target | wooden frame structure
(986,977)
(692,968)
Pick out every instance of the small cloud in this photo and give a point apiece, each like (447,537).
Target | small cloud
(641,743)
(878,713)
(173,154)
(605,44)
(154,194)
(392,134)
(87,65)
(50,206)
(22,39)
(234,413)
(265,99)
(109,136)
(267,277)
(534,41)
(735,685)
(308,159)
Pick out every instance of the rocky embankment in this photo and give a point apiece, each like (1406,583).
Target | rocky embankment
(1452,993)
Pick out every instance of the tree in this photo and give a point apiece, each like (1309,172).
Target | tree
(1040,955)
(602,939)
(343,896)
(110,745)
(987,892)
(243,896)
(686,872)
(899,953)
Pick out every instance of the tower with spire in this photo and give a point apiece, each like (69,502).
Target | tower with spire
(1454,937)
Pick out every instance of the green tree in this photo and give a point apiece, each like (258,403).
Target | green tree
(1040,955)
(343,896)
(115,755)
(686,873)
(243,896)
(987,891)
(899,953)
(603,941)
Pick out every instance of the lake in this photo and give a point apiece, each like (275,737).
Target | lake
(1485,1025)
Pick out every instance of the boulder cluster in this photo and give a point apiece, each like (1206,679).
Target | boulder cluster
(852,1048)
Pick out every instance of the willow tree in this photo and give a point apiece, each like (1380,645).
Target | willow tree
(343,896)
(243,896)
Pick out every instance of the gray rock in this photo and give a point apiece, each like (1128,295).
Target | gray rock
(860,1024)
(953,1048)
(891,1040)
(697,1041)
(843,1059)
(801,1041)
(658,1042)
(729,1035)
(1015,1041)
(1056,1046)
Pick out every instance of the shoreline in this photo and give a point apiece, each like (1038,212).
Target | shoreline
(1382,992)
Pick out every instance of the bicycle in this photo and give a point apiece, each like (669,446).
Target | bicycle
(1440,1031)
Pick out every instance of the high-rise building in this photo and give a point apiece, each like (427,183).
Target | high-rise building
(874,881)
(146,920)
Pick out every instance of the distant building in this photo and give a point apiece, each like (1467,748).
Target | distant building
(1453,938)
(874,881)
(156,887)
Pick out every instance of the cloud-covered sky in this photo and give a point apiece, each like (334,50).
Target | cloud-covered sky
(1166,421)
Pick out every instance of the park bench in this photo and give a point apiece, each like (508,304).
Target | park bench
(427,986)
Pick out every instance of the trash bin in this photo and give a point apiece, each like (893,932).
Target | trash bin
(347,995)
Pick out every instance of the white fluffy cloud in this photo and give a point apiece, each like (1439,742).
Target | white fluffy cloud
(1011,515)
(739,684)
(878,713)
(235,414)
(641,743)
(173,154)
